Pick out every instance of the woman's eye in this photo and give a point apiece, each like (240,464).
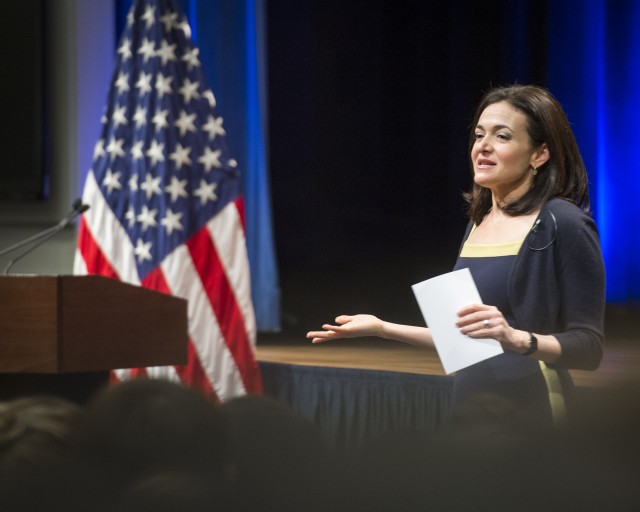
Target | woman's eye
(503,136)
(479,135)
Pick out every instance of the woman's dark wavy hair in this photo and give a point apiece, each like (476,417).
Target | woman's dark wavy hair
(563,175)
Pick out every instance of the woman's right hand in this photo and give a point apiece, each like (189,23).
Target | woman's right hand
(348,326)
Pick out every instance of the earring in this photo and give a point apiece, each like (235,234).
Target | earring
(534,171)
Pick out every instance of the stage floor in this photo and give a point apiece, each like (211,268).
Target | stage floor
(621,357)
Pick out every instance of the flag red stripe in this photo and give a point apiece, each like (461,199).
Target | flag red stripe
(191,374)
(94,259)
(139,373)
(222,299)
(240,207)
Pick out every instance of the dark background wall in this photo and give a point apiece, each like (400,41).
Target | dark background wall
(22,116)
(370,104)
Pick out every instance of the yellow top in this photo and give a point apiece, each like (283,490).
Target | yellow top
(471,250)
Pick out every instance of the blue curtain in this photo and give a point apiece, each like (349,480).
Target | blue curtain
(231,38)
(594,70)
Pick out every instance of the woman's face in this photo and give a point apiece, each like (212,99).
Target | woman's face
(502,153)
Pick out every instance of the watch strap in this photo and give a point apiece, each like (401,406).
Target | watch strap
(533,345)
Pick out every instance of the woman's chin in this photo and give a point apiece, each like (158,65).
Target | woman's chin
(482,181)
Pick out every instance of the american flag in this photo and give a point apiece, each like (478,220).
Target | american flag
(166,207)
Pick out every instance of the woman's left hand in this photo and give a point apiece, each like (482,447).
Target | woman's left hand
(483,321)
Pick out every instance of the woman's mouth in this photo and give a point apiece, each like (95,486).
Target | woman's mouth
(483,163)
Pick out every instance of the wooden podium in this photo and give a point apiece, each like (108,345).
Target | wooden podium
(63,334)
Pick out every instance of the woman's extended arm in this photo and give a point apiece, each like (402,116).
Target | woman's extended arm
(357,326)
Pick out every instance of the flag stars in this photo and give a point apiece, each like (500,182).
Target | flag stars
(147,49)
(111,181)
(191,58)
(130,216)
(169,20)
(114,148)
(181,156)
(151,185)
(98,149)
(133,183)
(163,85)
(125,49)
(185,123)
(144,83)
(136,151)
(156,152)
(147,218)
(160,119)
(149,16)
(140,116)
(171,221)
(206,192)
(213,127)
(184,26)
(208,95)
(189,90)
(167,52)
(142,251)
(122,83)
(210,159)
(119,116)
(177,188)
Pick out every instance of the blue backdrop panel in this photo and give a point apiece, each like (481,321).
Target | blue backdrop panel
(594,70)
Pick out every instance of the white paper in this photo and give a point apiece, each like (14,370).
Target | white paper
(440,299)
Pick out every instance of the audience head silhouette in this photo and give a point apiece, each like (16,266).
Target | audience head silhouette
(141,428)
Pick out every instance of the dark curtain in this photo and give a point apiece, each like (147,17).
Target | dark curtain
(370,106)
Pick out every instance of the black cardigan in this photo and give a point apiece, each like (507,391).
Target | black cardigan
(557,284)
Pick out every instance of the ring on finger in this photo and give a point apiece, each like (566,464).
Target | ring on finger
(486,324)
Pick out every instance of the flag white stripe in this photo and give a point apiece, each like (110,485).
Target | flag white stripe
(108,233)
(216,358)
(79,265)
(163,372)
(227,234)
(123,373)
